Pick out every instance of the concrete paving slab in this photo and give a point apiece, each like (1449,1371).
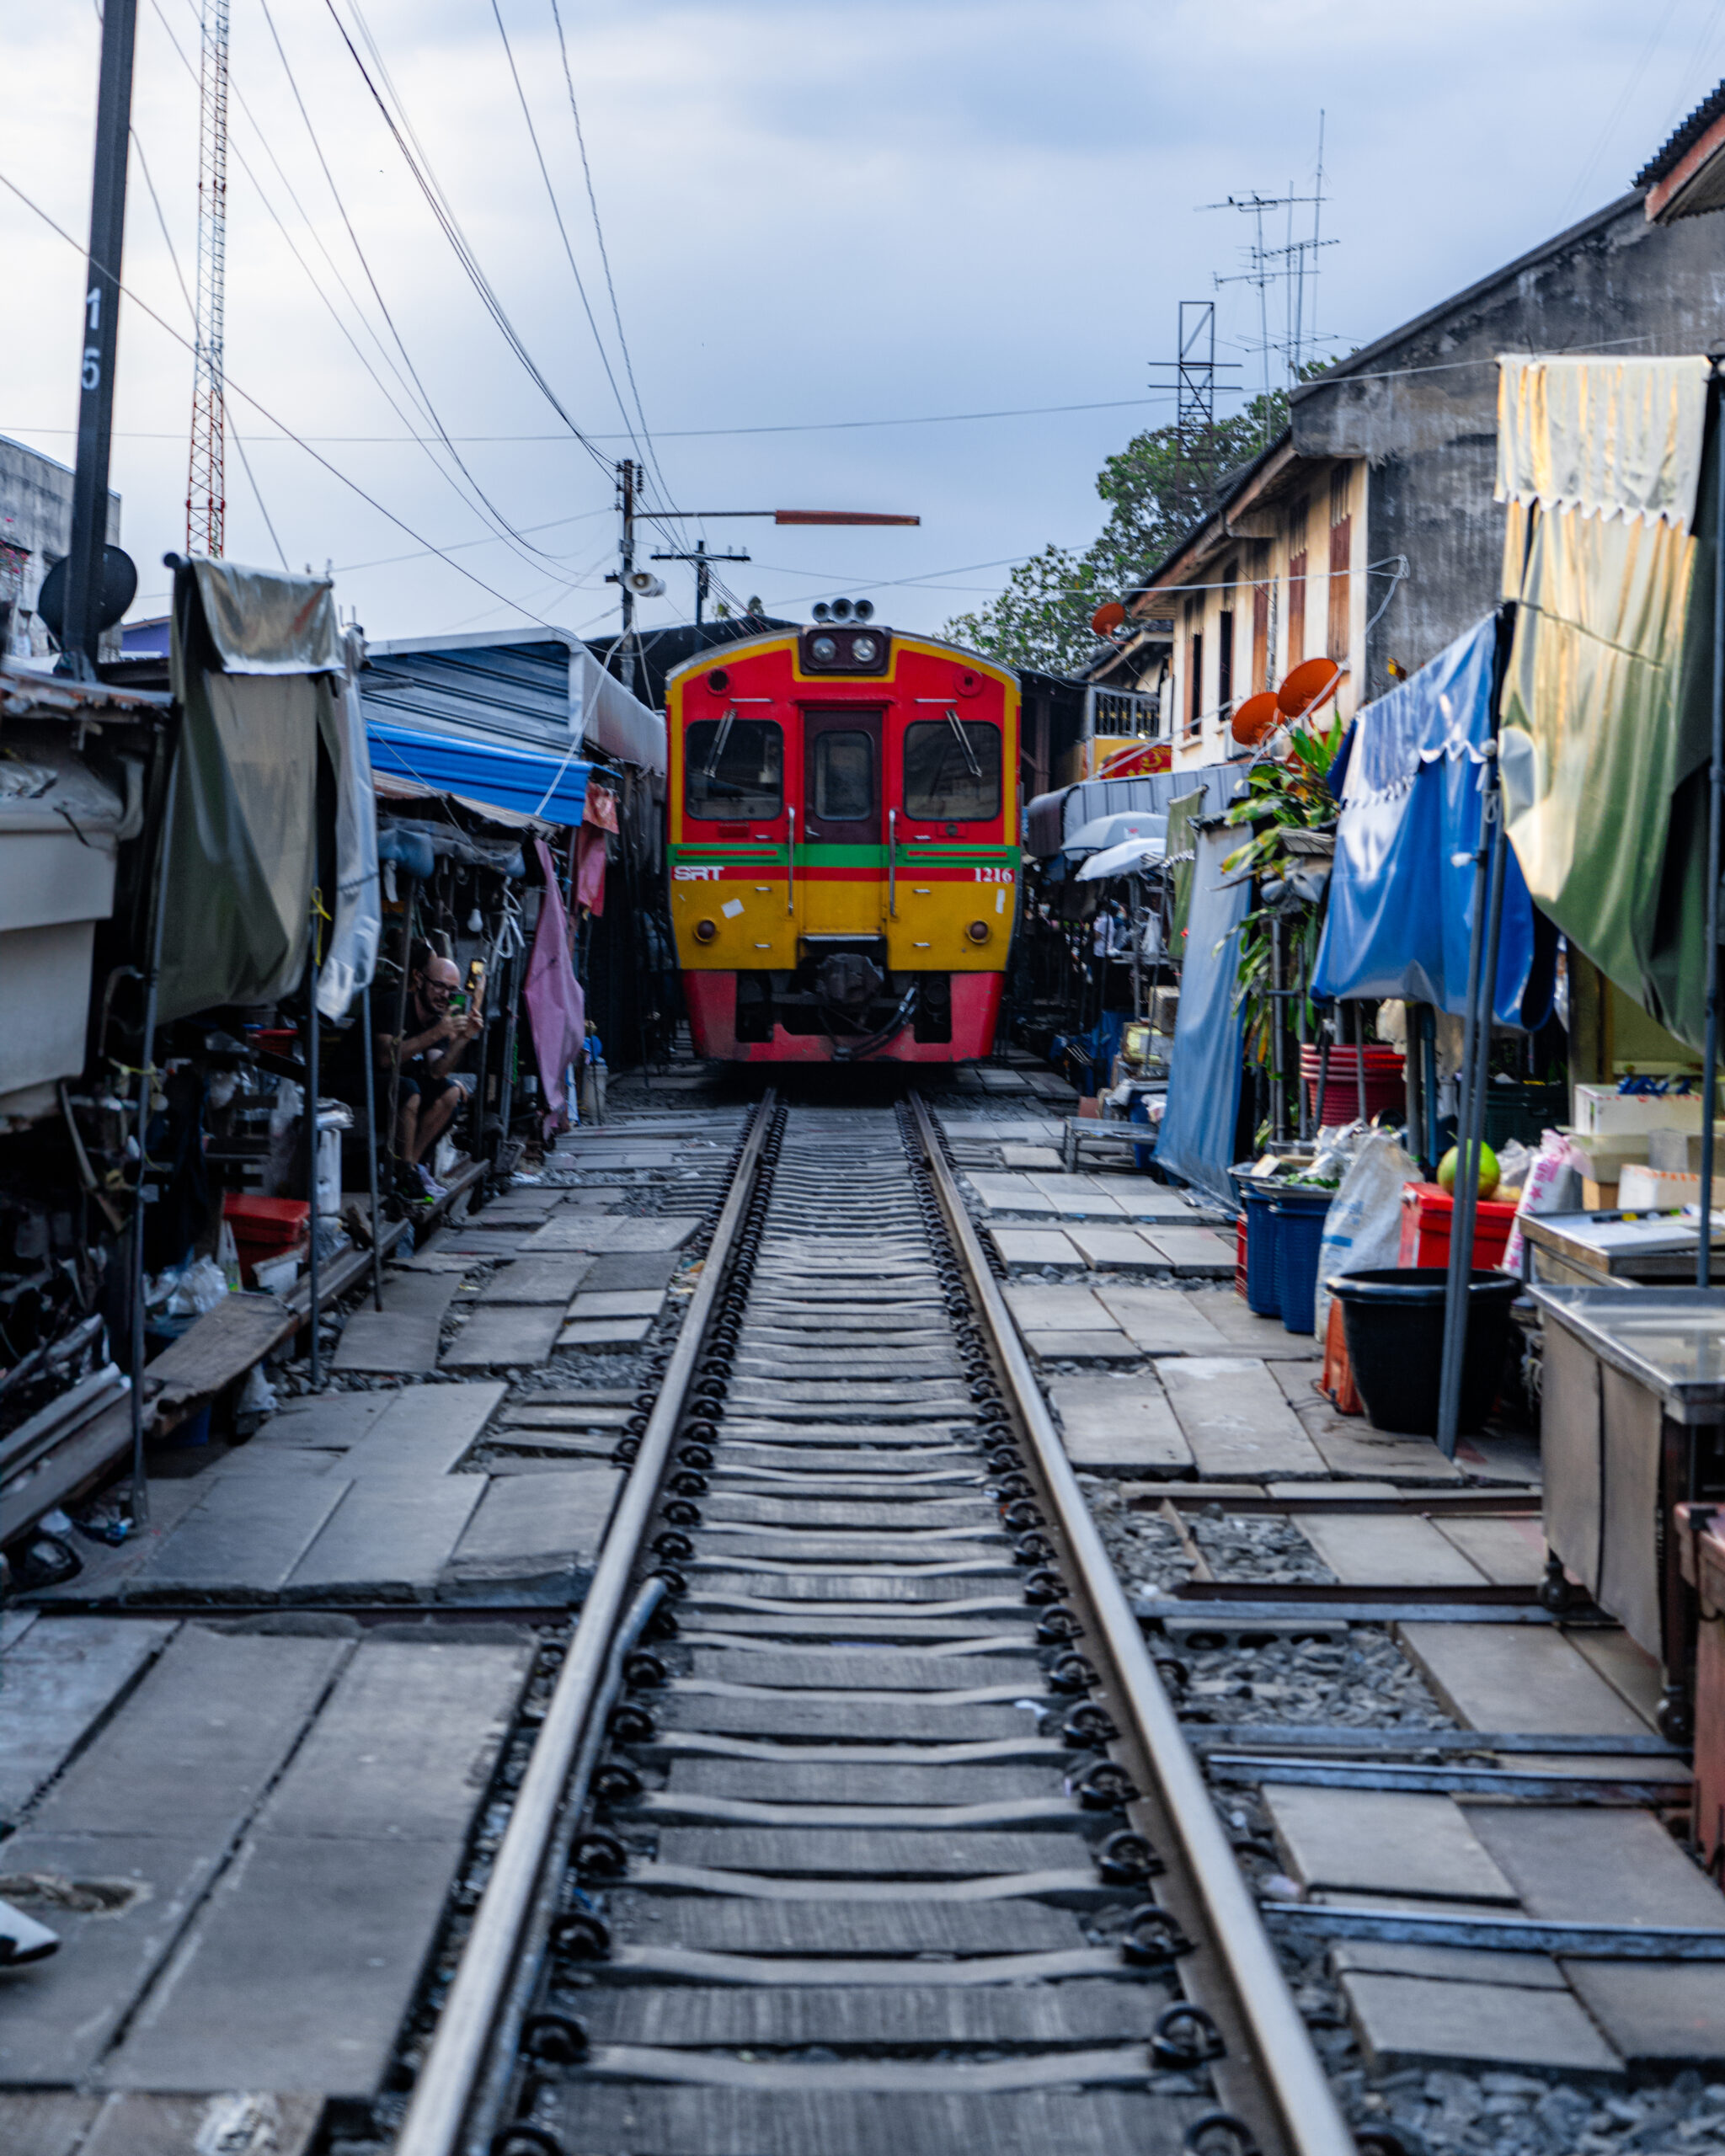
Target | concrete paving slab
(618,1302)
(1145,1200)
(1519,1677)
(46,2122)
(1117,1426)
(1030,1156)
(1351,1446)
(1588,1865)
(1461,1965)
(1234,1417)
(1368,1841)
(243,1537)
(1162,1320)
(1116,1250)
(390,1536)
(621,1270)
(297,1972)
(663,1231)
(1387,1551)
(403,1749)
(327,1422)
(1247,1334)
(534,1534)
(393,1343)
(548,1279)
(199,1740)
(1199,1252)
(504,1334)
(249,2122)
(1511,1552)
(1501,1458)
(1421,2021)
(425,1430)
(1011,1194)
(138,1892)
(1035,1246)
(1036,1307)
(1081,1346)
(605,1332)
(59,1678)
(1075,1198)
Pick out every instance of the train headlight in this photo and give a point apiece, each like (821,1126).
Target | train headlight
(864,651)
(825,649)
(705,930)
(977,931)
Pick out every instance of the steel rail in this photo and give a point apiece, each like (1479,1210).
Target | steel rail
(443,2092)
(1287,2064)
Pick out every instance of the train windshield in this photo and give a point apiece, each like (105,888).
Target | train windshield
(842,775)
(733,768)
(952,770)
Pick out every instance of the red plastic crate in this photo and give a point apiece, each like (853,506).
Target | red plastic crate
(265,1227)
(1427,1210)
(1386,1083)
(1240,1256)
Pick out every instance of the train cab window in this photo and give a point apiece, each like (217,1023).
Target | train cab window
(842,774)
(733,768)
(952,770)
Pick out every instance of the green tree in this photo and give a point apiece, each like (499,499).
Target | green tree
(1042,616)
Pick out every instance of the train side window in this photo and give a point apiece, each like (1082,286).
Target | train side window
(844,776)
(733,768)
(952,770)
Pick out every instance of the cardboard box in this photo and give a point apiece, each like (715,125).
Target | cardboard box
(1602,1112)
(1657,1190)
(1681,1149)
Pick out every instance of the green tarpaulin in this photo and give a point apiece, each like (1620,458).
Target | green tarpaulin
(253,661)
(1606,706)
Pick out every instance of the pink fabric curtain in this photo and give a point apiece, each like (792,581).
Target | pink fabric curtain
(557,1010)
(589,869)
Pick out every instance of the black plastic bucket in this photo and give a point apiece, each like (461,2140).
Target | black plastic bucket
(1394,1321)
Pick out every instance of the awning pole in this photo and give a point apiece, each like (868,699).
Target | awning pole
(371,1058)
(1476,1066)
(1715,788)
(314,1134)
(147,1059)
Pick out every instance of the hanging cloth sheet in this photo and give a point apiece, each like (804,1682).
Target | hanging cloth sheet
(351,958)
(1196,1142)
(252,654)
(1609,472)
(557,1010)
(1400,903)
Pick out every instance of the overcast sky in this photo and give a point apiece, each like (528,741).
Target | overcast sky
(815,211)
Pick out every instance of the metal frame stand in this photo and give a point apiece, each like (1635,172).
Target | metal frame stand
(314,1135)
(369,1049)
(1715,802)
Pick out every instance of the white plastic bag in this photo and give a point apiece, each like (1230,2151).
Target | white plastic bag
(1363,1228)
(197,1288)
(1553,1185)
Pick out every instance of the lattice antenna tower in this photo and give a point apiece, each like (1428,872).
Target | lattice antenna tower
(205,493)
(1195,398)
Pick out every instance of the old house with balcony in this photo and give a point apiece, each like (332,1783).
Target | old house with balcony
(1367,532)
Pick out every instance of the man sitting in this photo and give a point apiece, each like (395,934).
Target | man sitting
(436,1041)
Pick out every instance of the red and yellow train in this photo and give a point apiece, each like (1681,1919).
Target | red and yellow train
(844,858)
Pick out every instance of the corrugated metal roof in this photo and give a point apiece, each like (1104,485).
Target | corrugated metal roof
(1683,140)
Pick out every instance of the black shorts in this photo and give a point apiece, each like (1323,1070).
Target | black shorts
(413,1083)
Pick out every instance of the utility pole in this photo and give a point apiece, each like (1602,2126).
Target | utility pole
(81,623)
(205,493)
(702,561)
(625,480)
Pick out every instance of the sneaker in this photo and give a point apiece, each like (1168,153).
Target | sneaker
(429,1182)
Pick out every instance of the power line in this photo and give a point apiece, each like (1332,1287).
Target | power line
(334,470)
(604,252)
(425,180)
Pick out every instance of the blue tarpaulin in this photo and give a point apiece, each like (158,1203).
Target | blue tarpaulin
(1196,1141)
(532,782)
(1400,898)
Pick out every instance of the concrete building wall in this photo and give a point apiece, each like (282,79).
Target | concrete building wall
(35,531)
(1419,407)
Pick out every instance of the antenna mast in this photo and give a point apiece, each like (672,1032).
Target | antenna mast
(205,494)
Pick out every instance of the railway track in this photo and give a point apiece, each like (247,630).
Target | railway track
(859,1820)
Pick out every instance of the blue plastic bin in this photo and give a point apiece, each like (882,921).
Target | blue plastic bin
(1300,1233)
(1263,1289)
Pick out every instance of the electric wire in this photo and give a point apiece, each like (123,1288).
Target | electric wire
(425,179)
(533,558)
(192,312)
(604,252)
(353,485)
